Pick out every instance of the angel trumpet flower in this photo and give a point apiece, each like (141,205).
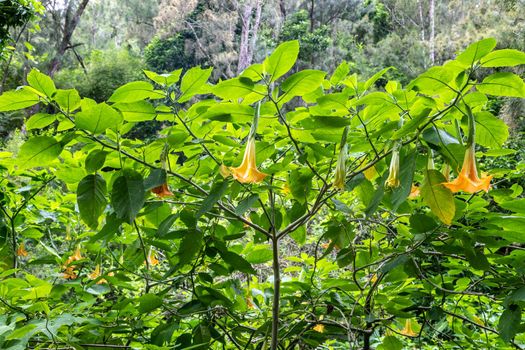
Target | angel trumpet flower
(162,191)
(247,172)
(340,168)
(393,176)
(408,331)
(468,179)
(21,250)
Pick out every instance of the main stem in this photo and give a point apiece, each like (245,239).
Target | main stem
(276,292)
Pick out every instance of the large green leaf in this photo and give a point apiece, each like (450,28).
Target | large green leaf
(502,84)
(281,60)
(132,92)
(490,131)
(68,100)
(148,302)
(17,99)
(503,58)
(237,262)
(40,120)
(138,111)
(233,88)
(127,195)
(192,82)
(216,192)
(41,83)
(509,322)
(91,199)
(438,197)
(98,118)
(190,245)
(38,151)
(476,51)
(302,83)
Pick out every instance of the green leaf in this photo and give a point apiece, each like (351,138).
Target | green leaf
(192,82)
(375,77)
(156,178)
(233,88)
(390,342)
(190,245)
(217,191)
(38,151)
(98,118)
(17,99)
(246,204)
(166,79)
(476,51)
(148,302)
(300,184)
(166,224)
(91,199)
(299,235)
(127,195)
(68,100)
(138,111)
(340,73)
(490,131)
(502,84)
(345,257)
(40,121)
(41,82)
(281,60)
(237,262)
(95,160)
(438,197)
(509,322)
(516,205)
(132,92)
(302,83)
(229,112)
(259,254)
(503,58)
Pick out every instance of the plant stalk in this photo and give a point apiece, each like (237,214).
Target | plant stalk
(276,292)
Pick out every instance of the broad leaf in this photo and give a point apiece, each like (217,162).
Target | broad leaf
(490,131)
(127,195)
(38,151)
(132,92)
(91,199)
(192,82)
(281,60)
(98,118)
(503,58)
(17,99)
(438,197)
(41,83)
(502,84)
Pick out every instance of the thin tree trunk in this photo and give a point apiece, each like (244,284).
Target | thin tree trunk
(276,293)
(421,20)
(246,18)
(255,30)
(70,23)
(312,8)
(432,32)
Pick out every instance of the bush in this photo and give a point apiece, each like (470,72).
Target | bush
(106,70)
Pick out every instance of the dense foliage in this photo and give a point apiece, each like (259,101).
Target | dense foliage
(275,209)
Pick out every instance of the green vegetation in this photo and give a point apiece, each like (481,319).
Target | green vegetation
(317,175)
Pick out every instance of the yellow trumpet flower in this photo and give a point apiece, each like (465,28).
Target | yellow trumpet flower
(162,191)
(468,179)
(408,331)
(319,327)
(414,192)
(96,274)
(340,169)
(247,172)
(152,260)
(21,250)
(393,176)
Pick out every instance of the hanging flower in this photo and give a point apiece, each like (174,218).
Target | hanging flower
(152,260)
(69,271)
(340,169)
(96,274)
(468,179)
(21,250)
(414,192)
(408,331)
(249,303)
(247,172)
(162,191)
(319,328)
(224,171)
(393,177)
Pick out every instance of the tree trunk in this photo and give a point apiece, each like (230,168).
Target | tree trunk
(248,34)
(432,32)
(421,20)
(70,23)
